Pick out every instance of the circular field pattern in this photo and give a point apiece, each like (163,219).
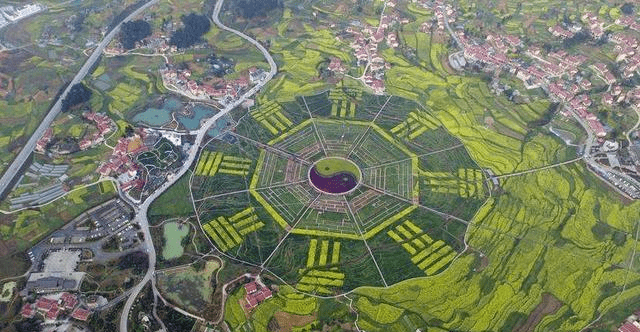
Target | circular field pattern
(338,190)
(334,176)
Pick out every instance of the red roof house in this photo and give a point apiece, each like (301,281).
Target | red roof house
(629,327)
(251,287)
(69,301)
(251,302)
(27,310)
(44,304)
(267,293)
(52,314)
(80,314)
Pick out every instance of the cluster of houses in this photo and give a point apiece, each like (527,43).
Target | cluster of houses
(444,14)
(366,40)
(594,24)
(52,306)
(104,124)
(630,327)
(365,44)
(336,65)
(181,81)
(255,294)
(631,324)
(557,72)
(122,160)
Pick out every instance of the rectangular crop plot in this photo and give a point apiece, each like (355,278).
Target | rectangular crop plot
(433,269)
(335,253)
(251,228)
(221,235)
(415,125)
(300,143)
(341,105)
(287,203)
(375,150)
(411,226)
(395,236)
(246,212)
(311,256)
(427,255)
(338,138)
(271,117)
(324,251)
(320,281)
(379,209)
(215,237)
(202,162)
(245,221)
(229,232)
(232,165)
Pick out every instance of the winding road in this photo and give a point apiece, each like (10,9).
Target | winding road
(28,148)
(141,210)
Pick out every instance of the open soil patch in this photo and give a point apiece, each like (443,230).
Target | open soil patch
(548,306)
(287,321)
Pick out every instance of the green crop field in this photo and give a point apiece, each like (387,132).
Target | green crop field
(255,203)
(455,253)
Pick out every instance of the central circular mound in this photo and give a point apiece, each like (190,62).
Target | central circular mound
(334,175)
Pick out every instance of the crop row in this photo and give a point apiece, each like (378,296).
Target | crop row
(416,124)
(211,163)
(324,253)
(320,281)
(228,233)
(427,255)
(468,184)
(208,163)
(341,105)
(235,165)
(271,117)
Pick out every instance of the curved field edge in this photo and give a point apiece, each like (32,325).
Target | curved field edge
(558,231)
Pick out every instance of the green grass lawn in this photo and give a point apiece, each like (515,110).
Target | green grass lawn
(331,166)
(174,202)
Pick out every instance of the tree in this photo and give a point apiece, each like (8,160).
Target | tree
(194,27)
(133,31)
(128,131)
(628,8)
(199,265)
(254,8)
(78,94)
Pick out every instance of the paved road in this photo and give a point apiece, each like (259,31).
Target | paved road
(141,210)
(26,151)
(453,35)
